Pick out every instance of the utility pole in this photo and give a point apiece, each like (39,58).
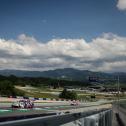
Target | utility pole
(118,86)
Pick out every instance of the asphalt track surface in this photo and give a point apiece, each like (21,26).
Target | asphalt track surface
(44,108)
(7,105)
(56,103)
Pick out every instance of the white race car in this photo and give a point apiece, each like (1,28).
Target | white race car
(23,104)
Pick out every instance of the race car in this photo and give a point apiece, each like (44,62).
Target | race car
(23,104)
(74,103)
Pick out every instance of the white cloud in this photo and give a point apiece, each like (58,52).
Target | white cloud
(104,53)
(121,4)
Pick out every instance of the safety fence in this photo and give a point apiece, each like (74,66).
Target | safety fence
(90,118)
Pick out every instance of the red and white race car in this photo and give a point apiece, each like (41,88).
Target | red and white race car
(23,104)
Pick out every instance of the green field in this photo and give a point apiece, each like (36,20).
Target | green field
(44,92)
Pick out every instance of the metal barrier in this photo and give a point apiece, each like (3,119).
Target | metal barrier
(91,118)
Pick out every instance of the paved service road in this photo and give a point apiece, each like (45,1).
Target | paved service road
(122,114)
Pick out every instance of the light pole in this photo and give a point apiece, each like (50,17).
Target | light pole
(118,88)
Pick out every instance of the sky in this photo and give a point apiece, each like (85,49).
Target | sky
(49,34)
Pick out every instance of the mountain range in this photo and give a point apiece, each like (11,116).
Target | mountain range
(67,74)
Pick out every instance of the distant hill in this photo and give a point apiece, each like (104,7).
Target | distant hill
(67,74)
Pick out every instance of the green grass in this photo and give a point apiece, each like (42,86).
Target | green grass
(37,92)
(41,95)
(45,92)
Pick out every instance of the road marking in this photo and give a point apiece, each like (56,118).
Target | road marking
(23,109)
(4,110)
(37,108)
(47,107)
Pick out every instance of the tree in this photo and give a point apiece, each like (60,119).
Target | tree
(7,88)
(68,94)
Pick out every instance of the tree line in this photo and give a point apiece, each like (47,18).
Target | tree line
(7,83)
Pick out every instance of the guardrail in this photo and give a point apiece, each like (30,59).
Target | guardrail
(90,118)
